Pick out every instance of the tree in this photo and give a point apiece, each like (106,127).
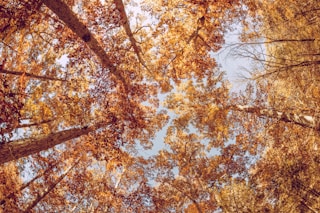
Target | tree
(11,104)
(48,190)
(287,57)
(10,183)
(66,104)
(286,170)
(35,72)
(21,148)
(81,108)
(51,108)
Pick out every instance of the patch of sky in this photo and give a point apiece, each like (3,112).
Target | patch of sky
(228,63)
(235,57)
(63,61)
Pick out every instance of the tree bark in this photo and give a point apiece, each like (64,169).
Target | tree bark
(4,71)
(62,10)
(50,189)
(303,120)
(21,148)
(126,25)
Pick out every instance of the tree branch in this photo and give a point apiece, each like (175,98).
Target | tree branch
(303,120)
(62,10)
(126,25)
(50,189)
(21,148)
(4,71)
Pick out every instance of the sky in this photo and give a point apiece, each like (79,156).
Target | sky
(231,65)
(234,68)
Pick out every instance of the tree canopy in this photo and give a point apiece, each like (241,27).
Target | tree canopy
(121,106)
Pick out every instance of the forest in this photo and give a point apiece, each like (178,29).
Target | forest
(123,106)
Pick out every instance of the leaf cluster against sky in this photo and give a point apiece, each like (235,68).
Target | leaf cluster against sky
(73,134)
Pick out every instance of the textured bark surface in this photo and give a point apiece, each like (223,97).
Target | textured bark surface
(22,148)
(303,120)
(126,25)
(62,10)
(10,72)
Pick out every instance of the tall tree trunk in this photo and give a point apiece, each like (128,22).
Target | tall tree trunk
(62,10)
(21,148)
(4,71)
(25,185)
(303,120)
(126,25)
(50,189)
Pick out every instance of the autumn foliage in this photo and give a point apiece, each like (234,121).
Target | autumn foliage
(122,106)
